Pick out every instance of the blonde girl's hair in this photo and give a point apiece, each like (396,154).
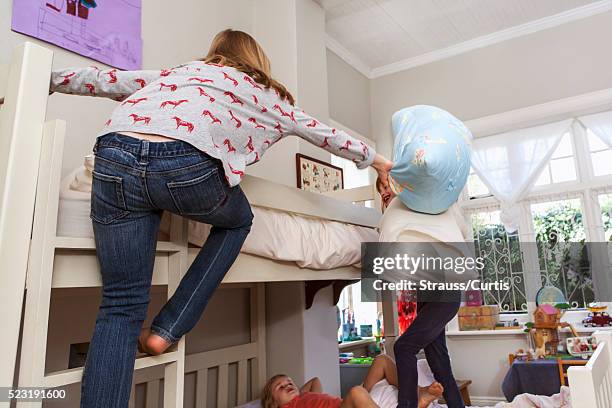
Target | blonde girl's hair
(239,50)
(267,400)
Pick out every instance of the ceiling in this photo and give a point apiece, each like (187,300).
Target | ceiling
(378,36)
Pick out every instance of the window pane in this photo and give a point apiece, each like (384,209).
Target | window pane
(361,313)
(602,162)
(544,178)
(595,143)
(476,188)
(560,237)
(605,203)
(563,170)
(503,261)
(561,166)
(353,177)
(565,147)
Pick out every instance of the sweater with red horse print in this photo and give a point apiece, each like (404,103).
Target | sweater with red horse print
(217,109)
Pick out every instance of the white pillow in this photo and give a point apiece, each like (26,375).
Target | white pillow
(253,404)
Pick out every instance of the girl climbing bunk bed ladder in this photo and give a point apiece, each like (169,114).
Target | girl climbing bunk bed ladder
(34,256)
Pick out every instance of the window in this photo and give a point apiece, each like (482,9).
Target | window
(563,259)
(554,218)
(605,203)
(562,165)
(363,313)
(476,188)
(353,177)
(503,261)
(601,155)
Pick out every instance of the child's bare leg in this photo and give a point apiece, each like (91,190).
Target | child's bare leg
(427,395)
(358,397)
(383,368)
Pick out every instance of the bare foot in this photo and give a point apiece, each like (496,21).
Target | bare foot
(432,393)
(151,343)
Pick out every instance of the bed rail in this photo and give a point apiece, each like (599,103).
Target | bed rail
(336,206)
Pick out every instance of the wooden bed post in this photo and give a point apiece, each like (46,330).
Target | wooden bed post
(258,335)
(21,131)
(174,372)
(40,262)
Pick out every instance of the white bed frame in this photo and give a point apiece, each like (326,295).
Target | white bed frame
(591,385)
(32,257)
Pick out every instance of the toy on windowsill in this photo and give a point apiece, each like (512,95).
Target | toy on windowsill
(523,355)
(544,328)
(597,317)
(344,358)
(349,331)
(507,325)
(361,360)
(582,347)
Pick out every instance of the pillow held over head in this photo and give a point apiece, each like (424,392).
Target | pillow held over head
(432,158)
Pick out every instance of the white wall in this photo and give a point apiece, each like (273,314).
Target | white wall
(563,61)
(302,343)
(349,96)
(292,33)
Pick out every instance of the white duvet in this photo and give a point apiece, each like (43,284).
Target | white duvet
(309,242)
(385,394)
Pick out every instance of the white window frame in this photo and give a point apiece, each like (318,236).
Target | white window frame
(586,187)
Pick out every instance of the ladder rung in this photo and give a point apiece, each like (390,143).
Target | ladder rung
(151,361)
(73,375)
(89,243)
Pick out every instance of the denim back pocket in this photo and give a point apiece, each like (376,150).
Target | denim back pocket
(200,195)
(107,198)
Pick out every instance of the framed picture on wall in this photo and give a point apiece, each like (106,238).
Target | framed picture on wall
(317,176)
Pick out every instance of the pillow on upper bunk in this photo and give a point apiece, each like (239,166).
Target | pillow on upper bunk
(432,158)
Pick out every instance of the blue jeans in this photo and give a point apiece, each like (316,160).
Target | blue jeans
(426,332)
(134,181)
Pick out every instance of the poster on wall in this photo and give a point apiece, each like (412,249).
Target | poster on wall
(104,30)
(317,176)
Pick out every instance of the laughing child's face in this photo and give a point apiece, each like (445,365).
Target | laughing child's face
(284,390)
(386,194)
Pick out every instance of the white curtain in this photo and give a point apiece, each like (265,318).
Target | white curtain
(509,163)
(600,124)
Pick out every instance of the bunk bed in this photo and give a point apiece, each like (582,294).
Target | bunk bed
(34,259)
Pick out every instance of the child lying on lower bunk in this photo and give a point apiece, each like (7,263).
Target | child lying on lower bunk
(379,389)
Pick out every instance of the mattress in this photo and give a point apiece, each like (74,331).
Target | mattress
(309,242)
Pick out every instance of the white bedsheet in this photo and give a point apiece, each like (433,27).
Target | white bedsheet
(385,394)
(309,242)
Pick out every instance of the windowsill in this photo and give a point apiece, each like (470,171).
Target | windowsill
(504,332)
(514,332)
(348,344)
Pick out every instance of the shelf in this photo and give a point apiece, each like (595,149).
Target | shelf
(579,329)
(505,332)
(348,344)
